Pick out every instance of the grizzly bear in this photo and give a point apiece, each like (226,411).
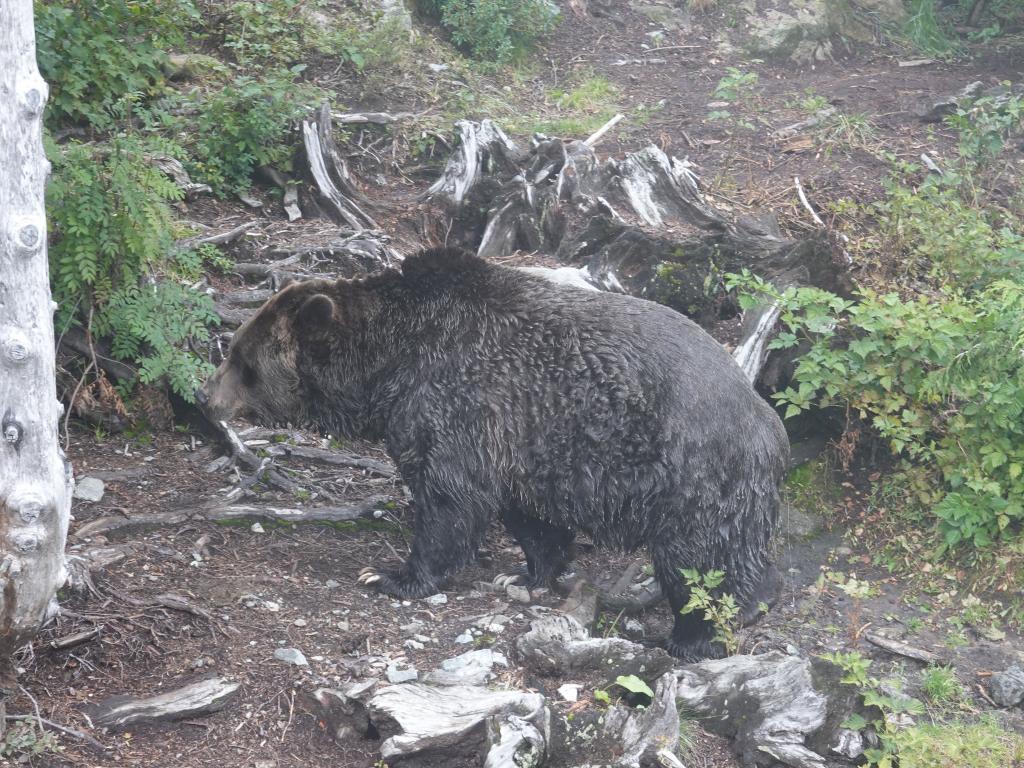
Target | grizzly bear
(501,395)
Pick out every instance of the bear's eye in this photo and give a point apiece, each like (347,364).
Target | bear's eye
(248,375)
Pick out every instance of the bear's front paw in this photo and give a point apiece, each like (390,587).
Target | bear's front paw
(396,583)
(519,575)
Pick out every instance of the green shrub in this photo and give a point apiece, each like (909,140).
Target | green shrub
(940,377)
(494,31)
(248,124)
(93,54)
(986,123)
(112,261)
(978,745)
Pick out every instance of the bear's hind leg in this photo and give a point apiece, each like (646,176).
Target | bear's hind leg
(692,637)
(548,549)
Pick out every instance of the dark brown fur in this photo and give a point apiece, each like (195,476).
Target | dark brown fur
(502,395)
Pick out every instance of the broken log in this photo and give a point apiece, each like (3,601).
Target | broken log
(903,649)
(330,457)
(377,118)
(414,718)
(331,174)
(217,238)
(200,698)
(234,512)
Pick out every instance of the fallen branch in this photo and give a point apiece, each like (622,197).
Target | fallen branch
(61,729)
(806,203)
(596,136)
(218,238)
(902,649)
(377,118)
(331,457)
(200,698)
(225,513)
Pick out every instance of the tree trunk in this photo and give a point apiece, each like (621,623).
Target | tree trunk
(35,478)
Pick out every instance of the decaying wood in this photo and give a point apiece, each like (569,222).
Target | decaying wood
(224,513)
(902,649)
(200,698)
(331,174)
(377,118)
(482,146)
(642,732)
(596,136)
(217,238)
(177,172)
(35,476)
(78,638)
(331,457)
(76,340)
(415,718)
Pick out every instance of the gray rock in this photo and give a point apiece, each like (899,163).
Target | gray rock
(633,629)
(569,691)
(848,743)
(396,12)
(1008,687)
(464,638)
(89,489)
(291,656)
(439,599)
(412,628)
(470,668)
(518,593)
(413,645)
(400,672)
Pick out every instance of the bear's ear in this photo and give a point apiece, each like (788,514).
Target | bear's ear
(315,314)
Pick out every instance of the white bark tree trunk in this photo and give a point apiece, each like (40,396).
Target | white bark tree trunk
(35,478)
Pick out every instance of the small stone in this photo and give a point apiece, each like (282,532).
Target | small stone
(421,638)
(792,650)
(439,599)
(332,584)
(399,672)
(265,764)
(412,628)
(633,629)
(272,605)
(413,645)
(518,593)
(1008,687)
(569,692)
(300,622)
(464,638)
(89,489)
(437,68)
(843,551)
(256,528)
(291,656)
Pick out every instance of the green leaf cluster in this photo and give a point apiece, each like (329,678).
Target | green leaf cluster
(93,53)
(718,608)
(113,264)
(494,31)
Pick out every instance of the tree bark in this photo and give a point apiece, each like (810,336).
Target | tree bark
(35,477)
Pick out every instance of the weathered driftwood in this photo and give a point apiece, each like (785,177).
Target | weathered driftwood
(638,225)
(343,709)
(200,698)
(216,238)
(331,175)
(644,732)
(559,645)
(515,742)
(177,172)
(902,649)
(234,512)
(35,476)
(774,707)
(377,118)
(415,718)
(330,457)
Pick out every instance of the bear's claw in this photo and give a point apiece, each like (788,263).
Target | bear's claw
(368,576)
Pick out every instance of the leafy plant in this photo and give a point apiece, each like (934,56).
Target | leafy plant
(246,125)
(719,609)
(494,31)
(980,745)
(113,268)
(940,685)
(986,123)
(634,684)
(92,54)
(24,740)
(735,84)
(924,29)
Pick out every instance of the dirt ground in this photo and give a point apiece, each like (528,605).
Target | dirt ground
(249,592)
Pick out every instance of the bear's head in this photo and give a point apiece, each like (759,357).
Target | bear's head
(261,377)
